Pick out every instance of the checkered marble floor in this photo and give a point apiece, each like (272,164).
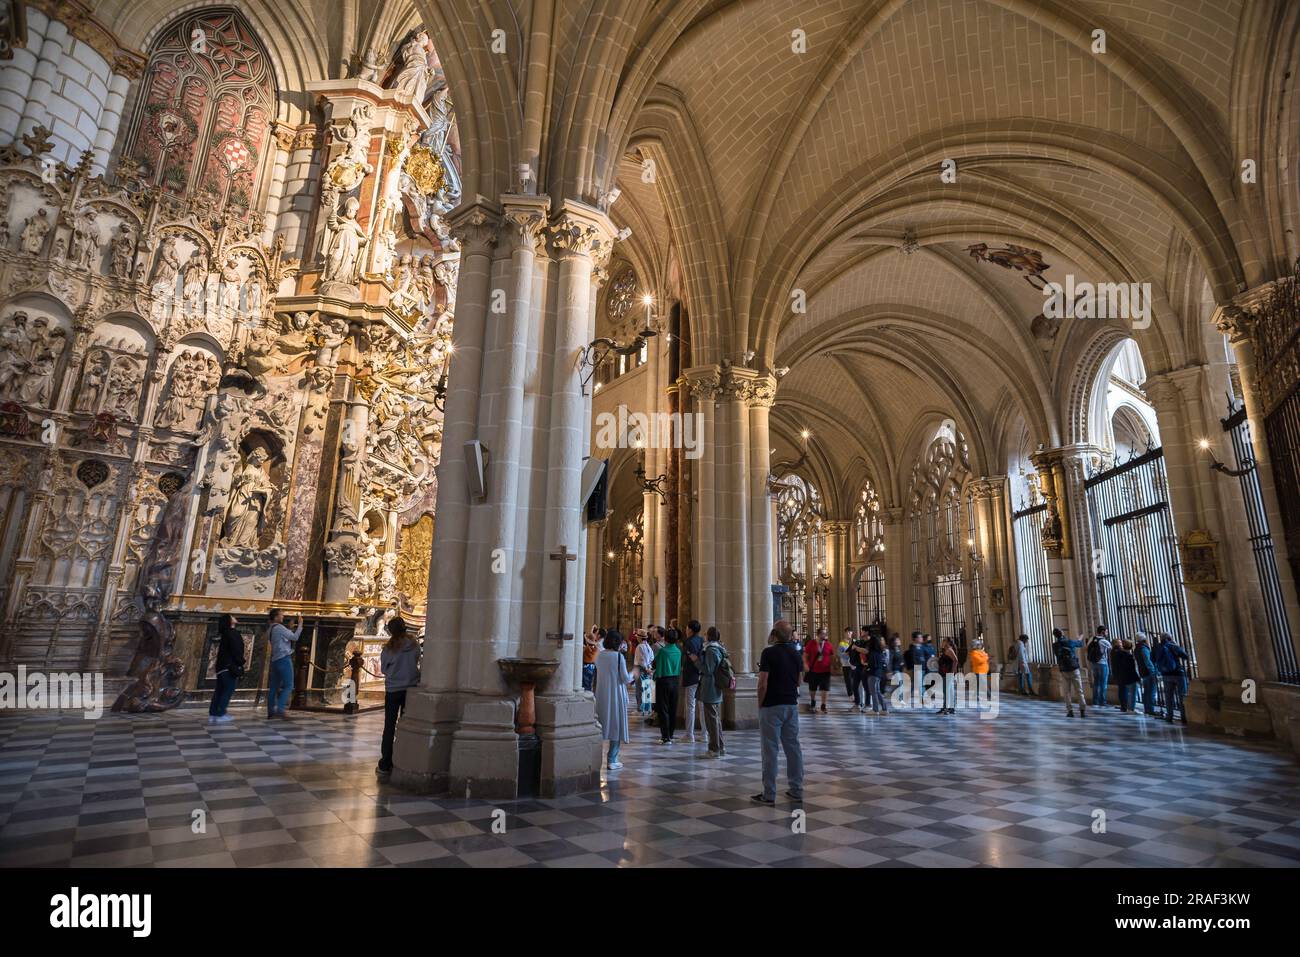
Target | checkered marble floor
(913,789)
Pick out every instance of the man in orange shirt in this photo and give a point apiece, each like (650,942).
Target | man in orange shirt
(590,649)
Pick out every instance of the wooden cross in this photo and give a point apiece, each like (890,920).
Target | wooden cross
(563,556)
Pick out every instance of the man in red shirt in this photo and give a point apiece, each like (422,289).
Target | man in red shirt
(818,656)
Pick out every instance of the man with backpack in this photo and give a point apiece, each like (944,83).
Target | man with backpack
(1169,658)
(1099,663)
(779,669)
(1147,675)
(716,676)
(1067,659)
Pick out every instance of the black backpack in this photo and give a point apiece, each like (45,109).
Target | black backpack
(1094,651)
(1065,656)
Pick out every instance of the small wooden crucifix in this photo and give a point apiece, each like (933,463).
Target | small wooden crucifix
(563,556)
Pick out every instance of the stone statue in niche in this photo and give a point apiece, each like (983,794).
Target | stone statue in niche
(344,240)
(166,269)
(366,571)
(230,283)
(193,275)
(413,73)
(250,496)
(13,354)
(85,239)
(253,296)
(194,374)
(93,382)
(123,253)
(124,387)
(212,294)
(404,297)
(38,386)
(32,239)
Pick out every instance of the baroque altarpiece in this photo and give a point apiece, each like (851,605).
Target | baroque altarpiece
(221,381)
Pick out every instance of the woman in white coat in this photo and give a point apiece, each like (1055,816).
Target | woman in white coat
(612,680)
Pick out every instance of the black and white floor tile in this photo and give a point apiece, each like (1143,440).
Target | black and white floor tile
(1029,788)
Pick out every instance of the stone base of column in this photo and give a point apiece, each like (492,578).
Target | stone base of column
(571,744)
(1201,703)
(1236,716)
(740,706)
(1283,705)
(1048,684)
(485,751)
(422,746)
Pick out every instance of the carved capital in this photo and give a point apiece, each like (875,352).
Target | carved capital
(761,393)
(1162,390)
(705,383)
(475,228)
(524,221)
(1234,322)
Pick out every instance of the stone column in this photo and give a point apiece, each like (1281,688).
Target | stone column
(991,546)
(1179,400)
(571,748)
(422,750)
(298,197)
(898,576)
(759,397)
(731,548)
(705,385)
(491,563)
(110,120)
(282,141)
(47,71)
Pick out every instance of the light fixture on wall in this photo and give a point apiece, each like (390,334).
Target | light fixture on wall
(1217,466)
(598,350)
(655,485)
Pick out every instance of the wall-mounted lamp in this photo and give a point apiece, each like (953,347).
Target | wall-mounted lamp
(598,350)
(1217,466)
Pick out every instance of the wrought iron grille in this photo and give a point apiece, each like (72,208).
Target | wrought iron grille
(1035,588)
(1139,576)
(1261,543)
(1276,337)
(949,593)
(871,596)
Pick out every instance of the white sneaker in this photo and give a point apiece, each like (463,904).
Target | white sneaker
(225,719)
(616,766)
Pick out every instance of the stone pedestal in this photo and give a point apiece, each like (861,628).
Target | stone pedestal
(740,706)
(422,747)
(1201,703)
(570,739)
(485,751)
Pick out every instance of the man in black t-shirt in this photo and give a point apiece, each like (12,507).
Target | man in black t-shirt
(780,669)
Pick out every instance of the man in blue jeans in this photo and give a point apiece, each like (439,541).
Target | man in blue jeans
(280,682)
(780,669)
(1169,658)
(1099,658)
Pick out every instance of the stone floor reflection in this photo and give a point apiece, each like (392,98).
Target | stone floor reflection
(908,790)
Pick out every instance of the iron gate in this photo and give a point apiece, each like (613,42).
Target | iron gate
(1261,544)
(1139,576)
(1035,589)
(871,597)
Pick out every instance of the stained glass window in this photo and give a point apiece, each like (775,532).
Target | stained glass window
(204,118)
